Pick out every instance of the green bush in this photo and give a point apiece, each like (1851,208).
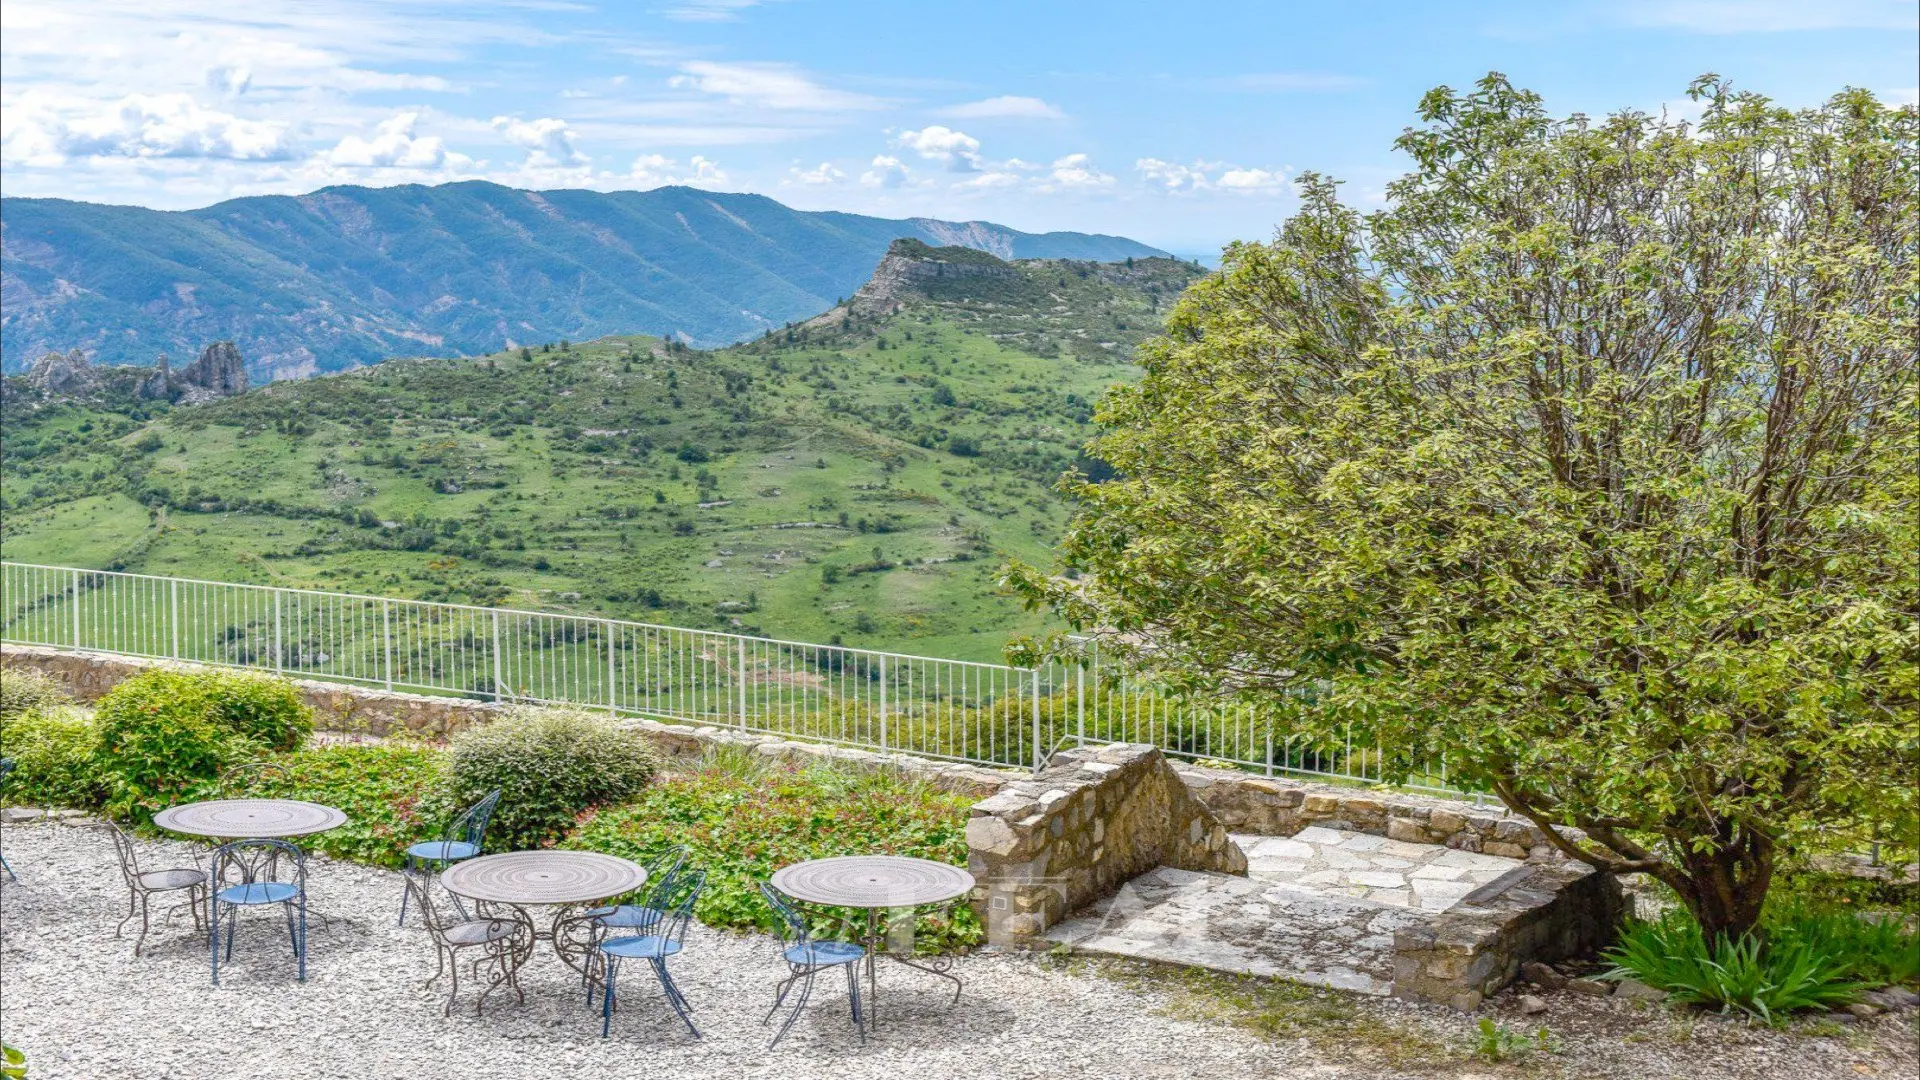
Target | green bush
(159,740)
(551,765)
(53,750)
(743,818)
(23,691)
(265,709)
(1876,949)
(384,790)
(1766,979)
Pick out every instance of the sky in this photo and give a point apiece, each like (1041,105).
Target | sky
(1178,124)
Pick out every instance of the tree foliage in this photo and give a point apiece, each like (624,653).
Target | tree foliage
(1590,462)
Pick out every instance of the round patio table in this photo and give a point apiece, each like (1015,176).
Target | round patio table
(878,883)
(249,819)
(561,879)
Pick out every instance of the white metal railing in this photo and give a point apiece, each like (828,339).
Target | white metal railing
(956,710)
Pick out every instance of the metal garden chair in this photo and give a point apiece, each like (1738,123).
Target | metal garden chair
(143,884)
(239,779)
(505,944)
(669,935)
(807,956)
(462,839)
(249,873)
(645,909)
(6,767)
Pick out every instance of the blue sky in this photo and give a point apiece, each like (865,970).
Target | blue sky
(1177,124)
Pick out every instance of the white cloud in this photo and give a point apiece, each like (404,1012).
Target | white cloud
(997,178)
(824,173)
(232,79)
(548,141)
(957,150)
(394,146)
(766,86)
(1903,95)
(42,130)
(1253,180)
(1174,178)
(1006,106)
(1075,172)
(658,170)
(887,172)
(1770,16)
(708,10)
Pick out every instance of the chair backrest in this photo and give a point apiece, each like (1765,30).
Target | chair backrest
(793,928)
(239,779)
(123,848)
(6,766)
(676,901)
(430,914)
(471,826)
(260,860)
(659,872)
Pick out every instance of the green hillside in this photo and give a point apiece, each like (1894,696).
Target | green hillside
(347,275)
(859,478)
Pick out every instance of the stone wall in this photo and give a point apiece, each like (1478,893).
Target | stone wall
(381,713)
(1044,846)
(1542,912)
(1270,806)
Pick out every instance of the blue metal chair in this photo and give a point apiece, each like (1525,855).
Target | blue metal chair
(807,956)
(462,839)
(645,910)
(6,766)
(248,873)
(675,902)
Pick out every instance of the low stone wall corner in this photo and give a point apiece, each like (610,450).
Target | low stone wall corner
(1040,848)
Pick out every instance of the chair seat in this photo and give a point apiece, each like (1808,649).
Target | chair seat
(163,880)
(629,916)
(443,850)
(259,892)
(479,931)
(648,947)
(824,953)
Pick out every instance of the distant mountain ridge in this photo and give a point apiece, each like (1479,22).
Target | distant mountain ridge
(350,275)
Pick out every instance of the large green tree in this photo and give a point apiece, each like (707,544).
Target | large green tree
(1589,461)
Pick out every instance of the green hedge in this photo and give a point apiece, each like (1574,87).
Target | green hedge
(55,754)
(745,819)
(551,765)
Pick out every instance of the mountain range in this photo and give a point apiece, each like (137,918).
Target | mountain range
(347,276)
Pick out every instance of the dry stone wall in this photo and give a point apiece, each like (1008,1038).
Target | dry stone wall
(1095,818)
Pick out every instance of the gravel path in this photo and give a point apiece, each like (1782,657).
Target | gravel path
(82,1006)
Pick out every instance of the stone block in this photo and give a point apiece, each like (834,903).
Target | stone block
(1406,830)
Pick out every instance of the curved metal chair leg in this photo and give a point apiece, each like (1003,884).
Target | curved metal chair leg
(806,989)
(141,941)
(406,894)
(606,997)
(853,995)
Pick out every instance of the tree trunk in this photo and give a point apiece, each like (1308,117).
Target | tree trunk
(1725,887)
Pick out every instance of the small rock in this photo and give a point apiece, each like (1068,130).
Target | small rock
(1893,997)
(1531,1004)
(1635,990)
(1542,975)
(1865,1011)
(21,813)
(1843,1017)
(1590,987)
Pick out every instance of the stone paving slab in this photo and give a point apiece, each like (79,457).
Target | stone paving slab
(1336,862)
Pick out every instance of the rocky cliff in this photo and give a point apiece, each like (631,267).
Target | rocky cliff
(219,372)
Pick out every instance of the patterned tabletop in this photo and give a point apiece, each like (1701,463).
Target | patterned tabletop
(873,881)
(249,819)
(543,877)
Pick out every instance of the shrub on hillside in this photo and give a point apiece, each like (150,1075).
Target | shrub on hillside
(53,750)
(743,817)
(550,765)
(159,739)
(23,691)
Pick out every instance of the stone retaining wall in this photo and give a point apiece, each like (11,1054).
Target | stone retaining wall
(1270,806)
(1042,847)
(1543,912)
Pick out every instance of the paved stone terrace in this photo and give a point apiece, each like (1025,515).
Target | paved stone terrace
(1337,862)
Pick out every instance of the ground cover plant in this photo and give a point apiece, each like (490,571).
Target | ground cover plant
(392,796)
(743,817)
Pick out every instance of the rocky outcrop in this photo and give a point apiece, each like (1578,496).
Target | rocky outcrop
(63,374)
(159,384)
(220,372)
(911,270)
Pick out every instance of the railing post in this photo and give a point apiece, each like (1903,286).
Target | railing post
(496,657)
(279,648)
(883,703)
(742,653)
(612,686)
(1080,695)
(386,642)
(1039,751)
(1269,753)
(76,611)
(173,615)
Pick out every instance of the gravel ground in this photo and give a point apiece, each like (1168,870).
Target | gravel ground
(82,1006)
